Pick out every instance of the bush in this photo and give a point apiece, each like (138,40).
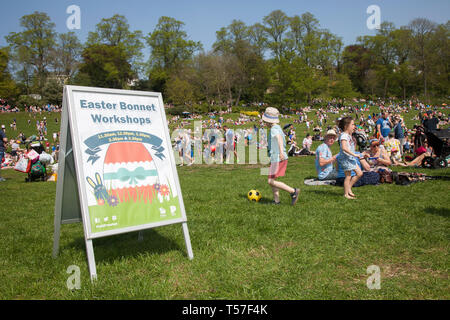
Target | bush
(175,111)
(25,101)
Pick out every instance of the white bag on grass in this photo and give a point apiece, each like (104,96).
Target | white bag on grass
(23,165)
(46,159)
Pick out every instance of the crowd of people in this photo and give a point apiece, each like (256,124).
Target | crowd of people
(388,141)
(14,144)
(391,144)
(383,140)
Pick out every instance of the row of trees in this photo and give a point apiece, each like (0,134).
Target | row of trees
(281,60)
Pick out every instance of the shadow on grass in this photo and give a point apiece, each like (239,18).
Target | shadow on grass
(443,212)
(263,200)
(112,248)
(338,191)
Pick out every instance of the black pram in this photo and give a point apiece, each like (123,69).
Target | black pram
(439,140)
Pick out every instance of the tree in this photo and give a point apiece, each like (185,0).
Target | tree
(33,47)
(440,75)
(383,49)
(67,55)
(403,71)
(276,25)
(170,50)
(53,92)
(422,48)
(179,91)
(258,38)
(104,66)
(169,44)
(115,31)
(341,87)
(8,88)
(305,36)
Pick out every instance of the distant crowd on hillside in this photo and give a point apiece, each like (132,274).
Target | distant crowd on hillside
(6,107)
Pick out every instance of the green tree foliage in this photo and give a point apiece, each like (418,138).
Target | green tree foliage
(53,92)
(276,25)
(170,50)
(280,59)
(32,48)
(115,32)
(8,88)
(179,91)
(341,87)
(67,55)
(105,66)
(240,51)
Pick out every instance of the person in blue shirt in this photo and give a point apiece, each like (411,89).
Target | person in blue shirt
(347,157)
(325,159)
(399,133)
(278,156)
(384,125)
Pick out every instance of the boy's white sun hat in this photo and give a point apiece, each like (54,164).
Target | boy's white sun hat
(271,115)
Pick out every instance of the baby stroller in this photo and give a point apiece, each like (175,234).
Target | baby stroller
(362,140)
(439,140)
(38,170)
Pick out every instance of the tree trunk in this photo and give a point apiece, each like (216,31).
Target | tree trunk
(385,88)
(238,97)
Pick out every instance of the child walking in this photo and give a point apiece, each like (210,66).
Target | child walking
(347,157)
(278,157)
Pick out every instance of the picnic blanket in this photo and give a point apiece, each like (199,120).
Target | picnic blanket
(316,182)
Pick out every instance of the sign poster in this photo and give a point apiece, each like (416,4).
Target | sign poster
(125,168)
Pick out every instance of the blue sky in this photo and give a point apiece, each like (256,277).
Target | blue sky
(202,18)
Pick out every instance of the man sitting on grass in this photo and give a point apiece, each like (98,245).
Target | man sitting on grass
(325,159)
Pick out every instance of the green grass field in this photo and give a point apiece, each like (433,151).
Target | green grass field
(318,249)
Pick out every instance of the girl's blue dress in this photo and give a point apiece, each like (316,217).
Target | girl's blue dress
(346,161)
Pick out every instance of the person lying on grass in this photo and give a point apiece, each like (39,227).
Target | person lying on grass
(421,152)
(278,156)
(347,156)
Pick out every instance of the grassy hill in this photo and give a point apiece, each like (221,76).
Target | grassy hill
(319,249)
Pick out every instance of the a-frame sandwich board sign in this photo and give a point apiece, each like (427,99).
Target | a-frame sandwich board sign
(116,170)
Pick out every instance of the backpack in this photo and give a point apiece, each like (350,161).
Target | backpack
(406,178)
(37,168)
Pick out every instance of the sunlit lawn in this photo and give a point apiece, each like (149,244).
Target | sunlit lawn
(318,249)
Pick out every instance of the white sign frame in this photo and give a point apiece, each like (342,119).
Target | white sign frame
(70,135)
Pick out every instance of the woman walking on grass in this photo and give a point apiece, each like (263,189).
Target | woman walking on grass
(347,156)
(278,156)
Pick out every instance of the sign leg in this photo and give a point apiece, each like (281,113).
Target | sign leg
(187,240)
(56,237)
(141,236)
(91,260)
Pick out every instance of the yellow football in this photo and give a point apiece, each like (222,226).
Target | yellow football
(254,195)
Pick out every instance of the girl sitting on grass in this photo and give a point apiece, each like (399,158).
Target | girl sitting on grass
(347,157)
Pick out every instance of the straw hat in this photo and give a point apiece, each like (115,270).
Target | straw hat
(271,115)
(331,133)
